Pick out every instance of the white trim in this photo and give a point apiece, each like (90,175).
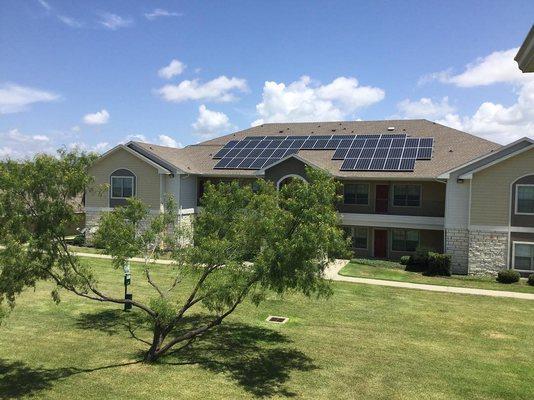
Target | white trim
(134,184)
(408,184)
(392,221)
(288,176)
(497,228)
(446,174)
(357,183)
(469,175)
(516,197)
(521,229)
(160,169)
(109,209)
(296,156)
(513,256)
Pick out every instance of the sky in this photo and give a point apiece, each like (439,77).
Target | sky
(92,74)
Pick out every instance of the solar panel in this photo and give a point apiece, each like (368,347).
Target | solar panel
(369,152)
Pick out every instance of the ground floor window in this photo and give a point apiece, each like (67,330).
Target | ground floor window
(358,236)
(405,240)
(524,256)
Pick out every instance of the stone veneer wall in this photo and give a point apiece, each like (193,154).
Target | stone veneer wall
(457,245)
(93,217)
(487,252)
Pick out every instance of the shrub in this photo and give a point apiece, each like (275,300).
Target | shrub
(404,260)
(419,261)
(438,265)
(508,276)
(530,280)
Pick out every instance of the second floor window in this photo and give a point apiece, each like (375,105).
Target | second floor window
(525,199)
(355,193)
(407,195)
(122,187)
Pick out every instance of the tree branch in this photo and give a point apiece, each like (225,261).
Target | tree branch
(149,278)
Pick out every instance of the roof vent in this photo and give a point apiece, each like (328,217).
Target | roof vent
(450,150)
(391,128)
(280,131)
(333,130)
(277,320)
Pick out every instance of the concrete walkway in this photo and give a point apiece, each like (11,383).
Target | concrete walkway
(133,259)
(333,269)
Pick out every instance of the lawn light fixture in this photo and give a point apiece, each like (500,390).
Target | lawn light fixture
(127,281)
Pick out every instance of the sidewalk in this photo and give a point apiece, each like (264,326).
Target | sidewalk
(333,269)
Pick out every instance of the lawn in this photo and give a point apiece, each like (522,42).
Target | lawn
(393,271)
(365,342)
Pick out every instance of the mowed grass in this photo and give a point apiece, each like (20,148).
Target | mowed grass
(365,342)
(392,271)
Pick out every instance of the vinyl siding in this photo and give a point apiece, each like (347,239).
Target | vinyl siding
(148,180)
(188,191)
(490,193)
(457,203)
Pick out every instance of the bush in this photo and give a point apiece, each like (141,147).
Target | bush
(419,261)
(508,276)
(438,265)
(530,280)
(404,260)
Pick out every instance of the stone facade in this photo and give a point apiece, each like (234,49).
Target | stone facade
(457,245)
(487,252)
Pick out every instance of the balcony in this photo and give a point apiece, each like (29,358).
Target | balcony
(393,221)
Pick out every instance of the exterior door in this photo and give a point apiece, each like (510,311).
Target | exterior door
(381,199)
(381,243)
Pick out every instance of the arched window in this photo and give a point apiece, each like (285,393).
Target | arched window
(288,178)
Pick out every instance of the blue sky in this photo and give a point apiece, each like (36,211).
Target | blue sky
(93,74)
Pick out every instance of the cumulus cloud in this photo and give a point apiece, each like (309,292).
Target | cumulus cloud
(159,12)
(304,100)
(137,137)
(17,145)
(209,123)
(15,98)
(425,108)
(221,89)
(168,141)
(113,21)
(497,67)
(175,67)
(97,118)
(96,148)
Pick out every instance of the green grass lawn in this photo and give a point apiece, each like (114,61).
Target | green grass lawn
(393,271)
(365,342)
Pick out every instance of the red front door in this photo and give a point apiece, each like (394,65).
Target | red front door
(381,199)
(381,243)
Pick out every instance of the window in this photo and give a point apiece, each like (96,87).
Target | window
(405,240)
(122,187)
(358,236)
(355,193)
(524,195)
(524,256)
(407,195)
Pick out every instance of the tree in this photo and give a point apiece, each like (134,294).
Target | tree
(246,242)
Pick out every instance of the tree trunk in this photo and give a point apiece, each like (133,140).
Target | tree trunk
(153,352)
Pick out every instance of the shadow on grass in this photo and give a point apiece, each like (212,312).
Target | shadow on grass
(258,359)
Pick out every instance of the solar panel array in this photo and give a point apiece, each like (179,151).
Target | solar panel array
(373,152)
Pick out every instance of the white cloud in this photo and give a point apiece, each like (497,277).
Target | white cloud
(497,67)
(41,138)
(159,12)
(44,4)
(81,146)
(69,21)
(168,141)
(15,98)
(303,100)
(221,89)
(425,108)
(175,67)
(113,21)
(17,145)
(75,128)
(137,137)
(97,118)
(209,122)
(497,122)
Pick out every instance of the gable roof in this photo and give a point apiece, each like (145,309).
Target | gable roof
(452,148)
(161,169)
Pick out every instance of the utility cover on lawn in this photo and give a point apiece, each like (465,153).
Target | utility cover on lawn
(277,320)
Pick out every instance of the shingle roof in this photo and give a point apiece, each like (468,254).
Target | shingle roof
(451,148)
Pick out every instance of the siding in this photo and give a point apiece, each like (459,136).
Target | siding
(148,180)
(188,191)
(289,166)
(490,193)
(457,203)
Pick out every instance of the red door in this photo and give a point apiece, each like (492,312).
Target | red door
(381,199)
(381,243)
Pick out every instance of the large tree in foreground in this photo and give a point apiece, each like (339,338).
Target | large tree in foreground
(246,242)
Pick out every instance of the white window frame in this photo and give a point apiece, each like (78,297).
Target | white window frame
(516,212)
(357,204)
(125,177)
(407,184)
(405,230)
(289,176)
(513,255)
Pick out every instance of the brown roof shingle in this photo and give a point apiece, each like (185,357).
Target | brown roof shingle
(451,148)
